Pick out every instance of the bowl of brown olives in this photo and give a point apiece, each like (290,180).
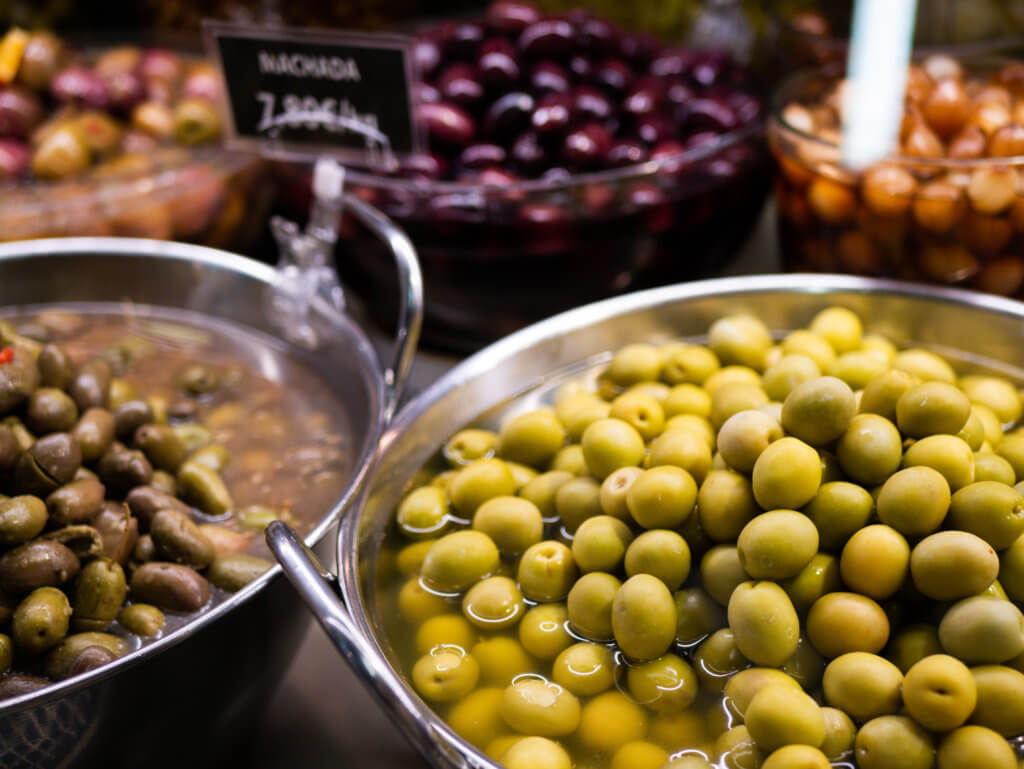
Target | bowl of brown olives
(943,207)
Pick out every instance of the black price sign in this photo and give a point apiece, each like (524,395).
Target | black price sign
(310,93)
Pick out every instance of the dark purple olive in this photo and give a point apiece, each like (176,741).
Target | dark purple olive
(446,123)
(707,139)
(654,129)
(512,16)
(460,84)
(672,62)
(125,90)
(615,75)
(528,154)
(14,158)
(464,40)
(645,97)
(597,36)
(510,114)
(587,146)
(598,197)
(548,77)
(20,111)
(424,166)
(497,63)
(705,115)
(496,177)
(551,117)
(649,197)
(556,175)
(160,64)
(201,82)
(679,93)
(669,155)
(426,53)
(547,37)
(590,104)
(745,106)
(425,93)
(710,68)
(639,48)
(578,16)
(581,67)
(545,227)
(478,156)
(80,86)
(626,152)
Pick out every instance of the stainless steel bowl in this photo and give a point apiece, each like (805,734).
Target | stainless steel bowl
(981,331)
(186,699)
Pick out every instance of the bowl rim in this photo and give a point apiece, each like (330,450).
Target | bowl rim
(635,172)
(777,125)
(402,428)
(262,273)
(839,44)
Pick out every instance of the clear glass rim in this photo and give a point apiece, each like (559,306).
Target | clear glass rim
(792,86)
(646,169)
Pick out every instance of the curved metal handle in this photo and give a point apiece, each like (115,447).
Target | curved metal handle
(410,301)
(317,588)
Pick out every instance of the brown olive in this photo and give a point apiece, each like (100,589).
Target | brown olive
(90,658)
(179,540)
(161,445)
(54,367)
(118,530)
(10,450)
(39,563)
(94,432)
(170,586)
(16,684)
(75,502)
(145,501)
(122,469)
(50,411)
(130,416)
(90,386)
(19,377)
(51,462)
(84,541)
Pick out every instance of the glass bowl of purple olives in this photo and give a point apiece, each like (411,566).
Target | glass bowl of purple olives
(122,141)
(568,161)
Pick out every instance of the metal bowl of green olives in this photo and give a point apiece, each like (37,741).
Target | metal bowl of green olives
(200,366)
(600,540)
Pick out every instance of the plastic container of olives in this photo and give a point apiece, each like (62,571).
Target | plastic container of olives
(944,207)
(528,370)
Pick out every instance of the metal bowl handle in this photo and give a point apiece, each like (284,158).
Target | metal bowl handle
(410,300)
(318,589)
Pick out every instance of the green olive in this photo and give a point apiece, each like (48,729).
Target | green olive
(870,450)
(838,510)
(445,674)
(764,622)
(512,523)
(609,444)
(546,571)
(939,692)
(599,544)
(662,498)
(744,436)
(689,364)
(717,658)
(532,438)
(726,503)
(40,621)
(585,669)
(667,684)
(780,715)
(786,475)
(740,339)
(882,393)
(644,617)
(494,603)
(948,454)
(577,500)
(590,604)
(634,363)
(482,480)
(950,565)
(981,629)
(875,561)
(931,408)
(893,741)
(1000,699)
(660,553)
(863,685)
(819,410)
(542,631)
(840,622)
(777,544)
(697,615)
(818,577)
(469,445)
(457,560)
(914,501)
(989,509)
(681,447)
(971,746)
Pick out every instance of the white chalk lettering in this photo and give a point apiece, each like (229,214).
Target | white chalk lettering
(309,66)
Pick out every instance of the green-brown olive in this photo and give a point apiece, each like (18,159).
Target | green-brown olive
(99,592)
(94,432)
(40,621)
(50,410)
(21,519)
(75,502)
(233,571)
(161,445)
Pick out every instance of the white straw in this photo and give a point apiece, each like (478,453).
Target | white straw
(877,73)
